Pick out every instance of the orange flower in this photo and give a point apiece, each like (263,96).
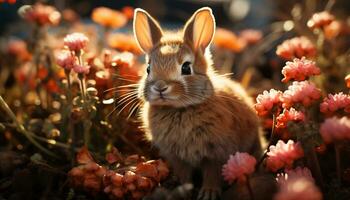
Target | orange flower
(228,40)
(123,42)
(333,29)
(347,80)
(108,17)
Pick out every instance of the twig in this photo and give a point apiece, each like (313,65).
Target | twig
(21,128)
(329,5)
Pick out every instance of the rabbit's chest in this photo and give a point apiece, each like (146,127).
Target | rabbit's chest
(189,136)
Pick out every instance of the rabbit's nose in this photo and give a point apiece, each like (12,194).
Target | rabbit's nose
(159,86)
(161,89)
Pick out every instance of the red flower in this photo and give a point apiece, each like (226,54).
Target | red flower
(297,47)
(283,155)
(289,115)
(128,11)
(76,41)
(319,20)
(88,176)
(266,101)
(52,86)
(40,14)
(18,48)
(335,129)
(239,166)
(300,92)
(299,70)
(8,1)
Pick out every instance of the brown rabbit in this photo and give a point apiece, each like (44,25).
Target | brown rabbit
(195,117)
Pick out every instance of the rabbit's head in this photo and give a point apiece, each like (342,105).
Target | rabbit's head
(178,67)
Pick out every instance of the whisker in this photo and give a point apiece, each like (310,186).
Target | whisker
(128,75)
(133,108)
(128,80)
(129,85)
(126,105)
(127,98)
(127,93)
(114,109)
(119,89)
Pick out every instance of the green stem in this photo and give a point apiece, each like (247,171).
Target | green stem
(250,190)
(272,138)
(313,163)
(338,161)
(70,122)
(21,128)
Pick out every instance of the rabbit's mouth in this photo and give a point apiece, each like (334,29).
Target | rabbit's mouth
(162,99)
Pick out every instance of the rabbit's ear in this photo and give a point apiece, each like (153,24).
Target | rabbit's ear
(146,30)
(200,28)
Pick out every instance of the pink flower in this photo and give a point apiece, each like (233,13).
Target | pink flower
(251,36)
(298,188)
(266,101)
(335,102)
(300,92)
(76,41)
(65,60)
(283,155)
(319,20)
(289,115)
(299,70)
(294,173)
(335,129)
(296,48)
(81,69)
(238,167)
(40,14)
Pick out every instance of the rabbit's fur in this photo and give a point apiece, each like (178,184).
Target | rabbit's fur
(196,120)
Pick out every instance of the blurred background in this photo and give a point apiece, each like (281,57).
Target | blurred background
(271,21)
(48,111)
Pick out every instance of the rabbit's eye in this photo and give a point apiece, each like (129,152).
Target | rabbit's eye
(148,68)
(186,68)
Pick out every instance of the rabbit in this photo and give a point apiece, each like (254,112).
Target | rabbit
(195,117)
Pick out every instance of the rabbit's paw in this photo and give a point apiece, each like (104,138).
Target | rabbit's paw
(212,193)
